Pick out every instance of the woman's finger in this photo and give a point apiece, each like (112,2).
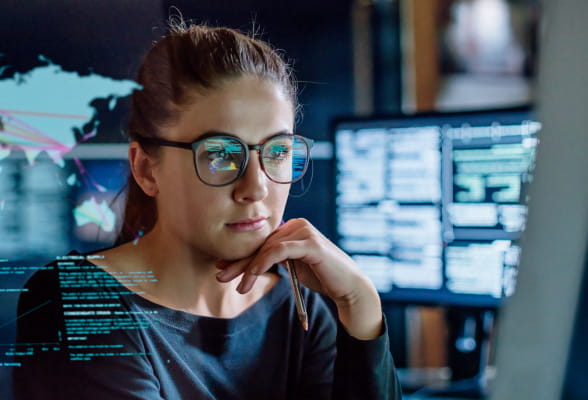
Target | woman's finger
(267,256)
(231,269)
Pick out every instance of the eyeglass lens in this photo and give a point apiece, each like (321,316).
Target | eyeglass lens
(220,159)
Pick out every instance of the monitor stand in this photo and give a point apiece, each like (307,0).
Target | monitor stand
(469,335)
(468,371)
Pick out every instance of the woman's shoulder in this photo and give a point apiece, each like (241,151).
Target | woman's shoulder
(51,283)
(39,308)
(44,282)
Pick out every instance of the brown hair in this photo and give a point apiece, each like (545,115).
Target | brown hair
(189,60)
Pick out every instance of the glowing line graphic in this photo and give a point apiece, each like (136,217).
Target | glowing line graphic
(26,313)
(10,117)
(88,180)
(43,114)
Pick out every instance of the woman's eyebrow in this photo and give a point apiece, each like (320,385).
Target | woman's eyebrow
(212,133)
(208,134)
(282,132)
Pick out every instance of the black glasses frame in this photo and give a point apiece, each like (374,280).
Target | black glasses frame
(248,147)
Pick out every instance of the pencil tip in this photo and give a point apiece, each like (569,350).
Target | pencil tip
(305,325)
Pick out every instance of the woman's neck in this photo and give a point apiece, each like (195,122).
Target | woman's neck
(183,279)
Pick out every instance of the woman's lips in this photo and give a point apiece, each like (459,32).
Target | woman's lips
(247,225)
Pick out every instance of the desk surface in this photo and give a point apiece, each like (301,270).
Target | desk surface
(409,397)
(435,383)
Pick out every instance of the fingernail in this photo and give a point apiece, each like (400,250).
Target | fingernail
(240,286)
(245,283)
(221,275)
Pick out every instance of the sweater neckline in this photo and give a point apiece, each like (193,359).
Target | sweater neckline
(255,314)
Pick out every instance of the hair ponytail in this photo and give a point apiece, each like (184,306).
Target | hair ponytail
(140,213)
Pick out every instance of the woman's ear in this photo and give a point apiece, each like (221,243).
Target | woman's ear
(142,166)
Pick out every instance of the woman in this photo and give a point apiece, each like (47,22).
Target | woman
(212,156)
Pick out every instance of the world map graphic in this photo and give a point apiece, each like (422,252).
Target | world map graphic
(43,108)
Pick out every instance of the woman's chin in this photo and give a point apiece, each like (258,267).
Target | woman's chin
(238,250)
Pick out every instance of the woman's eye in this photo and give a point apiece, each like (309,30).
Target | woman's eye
(217,155)
(221,161)
(221,150)
(224,152)
(278,152)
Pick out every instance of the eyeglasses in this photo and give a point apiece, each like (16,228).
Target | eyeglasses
(220,160)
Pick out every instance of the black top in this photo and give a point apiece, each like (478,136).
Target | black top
(82,334)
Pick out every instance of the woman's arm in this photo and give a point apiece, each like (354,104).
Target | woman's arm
(364,369)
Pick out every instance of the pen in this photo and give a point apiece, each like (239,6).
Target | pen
(300,308)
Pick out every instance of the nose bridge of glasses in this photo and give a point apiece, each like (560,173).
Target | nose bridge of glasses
(246,164)
(257,147)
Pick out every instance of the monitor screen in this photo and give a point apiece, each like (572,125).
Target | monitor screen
(431,207)
(46,209)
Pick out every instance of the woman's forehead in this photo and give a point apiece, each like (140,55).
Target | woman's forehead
(213,134)
(248,108)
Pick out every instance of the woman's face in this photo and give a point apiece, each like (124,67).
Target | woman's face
(228,222)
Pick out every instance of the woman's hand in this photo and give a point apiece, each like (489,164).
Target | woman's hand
(322,267)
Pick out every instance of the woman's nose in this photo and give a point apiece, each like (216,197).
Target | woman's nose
(253,184)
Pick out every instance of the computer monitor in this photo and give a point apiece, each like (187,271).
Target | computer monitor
(46,209)
(431,206)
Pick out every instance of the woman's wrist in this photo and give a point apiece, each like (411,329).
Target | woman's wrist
(361,311)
